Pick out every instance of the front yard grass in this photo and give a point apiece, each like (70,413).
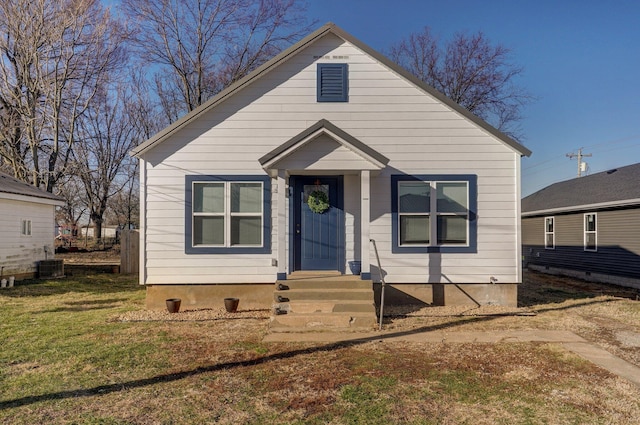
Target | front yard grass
(66,358)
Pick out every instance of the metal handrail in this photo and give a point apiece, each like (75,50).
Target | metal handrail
(382,282)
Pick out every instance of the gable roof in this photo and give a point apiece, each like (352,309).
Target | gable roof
(375,158)
(294,49)
(13,188)
(612,188)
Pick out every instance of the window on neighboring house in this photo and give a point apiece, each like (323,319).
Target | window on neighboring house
(228,214)
(434,213)
(25,228)
(549,233)
(590,232)
(332,82)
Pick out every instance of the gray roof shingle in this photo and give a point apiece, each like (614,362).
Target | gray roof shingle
(14,186)
(613,186)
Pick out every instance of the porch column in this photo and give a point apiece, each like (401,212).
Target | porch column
(365,216)
(281,202)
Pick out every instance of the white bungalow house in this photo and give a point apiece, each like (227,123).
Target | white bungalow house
(225,190)
(27,227)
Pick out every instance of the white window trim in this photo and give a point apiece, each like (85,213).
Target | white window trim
(25,227)
(433,215)
(552,233)
(227,214)
(587,232)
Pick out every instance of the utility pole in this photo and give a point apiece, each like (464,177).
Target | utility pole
(579,155)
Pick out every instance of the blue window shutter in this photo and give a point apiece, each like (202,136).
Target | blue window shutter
(333,82)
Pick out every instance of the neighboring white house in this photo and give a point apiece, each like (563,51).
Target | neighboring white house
(225,190)
(27,227)
(107,231)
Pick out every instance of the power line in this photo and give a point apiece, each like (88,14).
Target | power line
(582,166)
(607,143)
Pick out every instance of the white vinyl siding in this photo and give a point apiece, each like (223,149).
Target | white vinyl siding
(24,239)
(410,127)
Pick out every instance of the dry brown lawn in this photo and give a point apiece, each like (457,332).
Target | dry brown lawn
(123,365)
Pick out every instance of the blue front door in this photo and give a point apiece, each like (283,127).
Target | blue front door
(318,236)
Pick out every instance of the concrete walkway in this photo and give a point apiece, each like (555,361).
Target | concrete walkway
(568,340)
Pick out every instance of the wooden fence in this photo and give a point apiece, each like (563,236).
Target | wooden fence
(129,251)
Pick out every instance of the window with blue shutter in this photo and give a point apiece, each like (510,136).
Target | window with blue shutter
(333,82)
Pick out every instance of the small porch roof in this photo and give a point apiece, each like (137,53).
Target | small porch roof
(357,155)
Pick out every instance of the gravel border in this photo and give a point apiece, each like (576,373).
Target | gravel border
(198,315)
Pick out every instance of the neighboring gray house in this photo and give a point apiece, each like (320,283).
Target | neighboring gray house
(225,190)
(27,227)
(588,227)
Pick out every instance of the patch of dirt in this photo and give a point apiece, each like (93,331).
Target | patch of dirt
(628,339)
(90,256)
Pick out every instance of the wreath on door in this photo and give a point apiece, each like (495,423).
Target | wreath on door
(318,201)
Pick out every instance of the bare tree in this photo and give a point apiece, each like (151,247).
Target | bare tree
(201,46)
(71,190)
(102,161)
(124,206)
(469,70)
(54,55)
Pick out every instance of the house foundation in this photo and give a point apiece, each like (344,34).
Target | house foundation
(261,296)
(252,296)
(471,294)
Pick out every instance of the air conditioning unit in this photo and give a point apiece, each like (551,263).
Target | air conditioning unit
(50,268)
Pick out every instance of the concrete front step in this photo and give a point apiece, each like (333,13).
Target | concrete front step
(328,306)
(324,283)
(299,322)
(325,294)
(320,301)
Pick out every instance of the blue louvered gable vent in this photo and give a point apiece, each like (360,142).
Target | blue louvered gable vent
(333,82)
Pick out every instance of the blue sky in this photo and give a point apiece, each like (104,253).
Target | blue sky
(581,61)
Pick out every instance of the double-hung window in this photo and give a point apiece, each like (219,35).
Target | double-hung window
(590,232)
(434,213)
(549,233)
(227,214)
(25,228)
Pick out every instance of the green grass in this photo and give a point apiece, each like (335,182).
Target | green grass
(66,358)
(58,335)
